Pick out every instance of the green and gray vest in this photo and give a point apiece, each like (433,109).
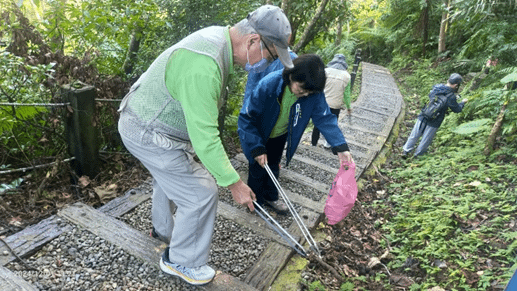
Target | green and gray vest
(150,106)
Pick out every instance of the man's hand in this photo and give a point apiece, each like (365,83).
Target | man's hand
(465,100)
(243,194)
(345,157)
(262,160)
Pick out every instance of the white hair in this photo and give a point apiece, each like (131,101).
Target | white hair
(244,28)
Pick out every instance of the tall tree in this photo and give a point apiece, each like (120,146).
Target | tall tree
(443,27)
(308,33)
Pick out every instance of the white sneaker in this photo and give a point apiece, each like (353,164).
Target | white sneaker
(278,206)
(194,276)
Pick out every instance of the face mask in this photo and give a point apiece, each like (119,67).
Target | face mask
(259,66)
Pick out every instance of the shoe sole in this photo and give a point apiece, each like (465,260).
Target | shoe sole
(171,271)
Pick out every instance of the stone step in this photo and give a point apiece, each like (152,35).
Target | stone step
(136,243)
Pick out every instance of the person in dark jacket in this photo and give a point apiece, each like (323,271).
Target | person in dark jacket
(277,112)
(427,128)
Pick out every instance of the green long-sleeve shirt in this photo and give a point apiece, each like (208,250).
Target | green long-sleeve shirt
(198,89)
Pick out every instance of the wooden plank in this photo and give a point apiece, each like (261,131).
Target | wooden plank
(115,231)
(274,258)
(123,204)
(32,238)
(301,200)
(135,242)
(225,282)
(10,281)
(248,220)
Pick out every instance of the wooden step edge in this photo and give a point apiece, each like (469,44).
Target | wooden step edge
(123,204)
(135,242)
(32,238)
(10,281)
(276,256)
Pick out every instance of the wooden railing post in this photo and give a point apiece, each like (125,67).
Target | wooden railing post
(357,60)
(81,130)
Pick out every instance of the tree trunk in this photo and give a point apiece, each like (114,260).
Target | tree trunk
(494,132)
(305,39)
(132,51)
(339,33)
(425,27)
(443,28)
(285,7)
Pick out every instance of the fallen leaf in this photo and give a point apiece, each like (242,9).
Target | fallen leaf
(475,183)
(373,262)
(16,221)
(84,181)
(105,193)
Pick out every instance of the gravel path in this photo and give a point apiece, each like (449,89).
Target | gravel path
(80,260)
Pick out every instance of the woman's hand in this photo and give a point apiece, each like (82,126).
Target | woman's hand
(345,157)
(262,160)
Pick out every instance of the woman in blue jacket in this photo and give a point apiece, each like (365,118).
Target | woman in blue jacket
(277,112)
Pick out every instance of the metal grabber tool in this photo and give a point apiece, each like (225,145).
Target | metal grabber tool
(279,229)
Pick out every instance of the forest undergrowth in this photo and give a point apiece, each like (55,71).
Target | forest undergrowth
(443,221)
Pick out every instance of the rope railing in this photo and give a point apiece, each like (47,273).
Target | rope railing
(35,167)
(81,132)
(36,104)
(53,104)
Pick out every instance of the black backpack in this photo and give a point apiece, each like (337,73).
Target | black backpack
(434,107)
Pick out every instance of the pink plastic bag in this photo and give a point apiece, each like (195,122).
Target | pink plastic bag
(342,194)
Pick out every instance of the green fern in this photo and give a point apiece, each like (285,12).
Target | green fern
(472,126)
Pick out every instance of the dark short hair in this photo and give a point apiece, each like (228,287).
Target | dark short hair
(308,69)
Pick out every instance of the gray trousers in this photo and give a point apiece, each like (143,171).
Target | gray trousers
(420,130)
(179,180)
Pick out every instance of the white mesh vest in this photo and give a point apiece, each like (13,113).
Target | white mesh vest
(150,107)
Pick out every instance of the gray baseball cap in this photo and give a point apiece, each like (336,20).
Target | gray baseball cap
(271,23)
(455,78)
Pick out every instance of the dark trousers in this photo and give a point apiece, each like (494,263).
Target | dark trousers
(316,132)
(258,179)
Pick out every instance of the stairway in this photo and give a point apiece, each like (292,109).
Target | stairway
(118,231)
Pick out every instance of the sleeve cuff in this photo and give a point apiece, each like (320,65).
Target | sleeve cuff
(340,148)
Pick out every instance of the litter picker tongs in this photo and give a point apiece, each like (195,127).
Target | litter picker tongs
(279,229)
